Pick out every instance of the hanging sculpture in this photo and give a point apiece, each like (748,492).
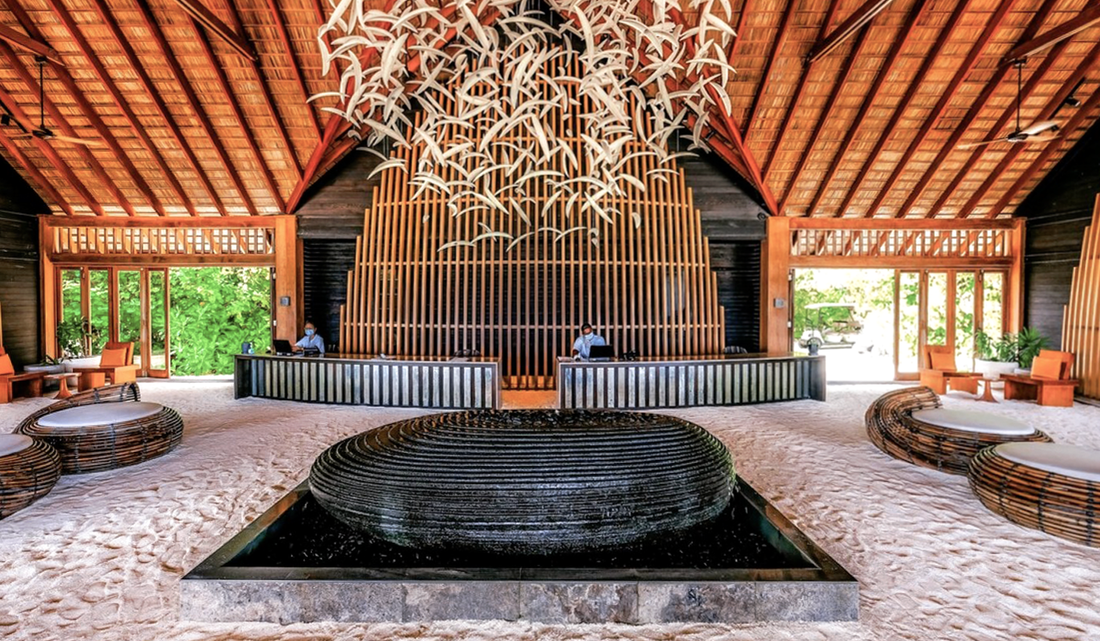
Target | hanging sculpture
(487,80)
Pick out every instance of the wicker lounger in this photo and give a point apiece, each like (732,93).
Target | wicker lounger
(893,429)
(107,394)
(29,468)
(1063,503)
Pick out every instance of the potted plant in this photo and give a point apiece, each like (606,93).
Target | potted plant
(75,337)
(1005,355)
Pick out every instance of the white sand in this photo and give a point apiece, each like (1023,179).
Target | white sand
(101,556)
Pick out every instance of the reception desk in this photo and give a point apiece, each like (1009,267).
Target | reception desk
(689,382)
(469,383)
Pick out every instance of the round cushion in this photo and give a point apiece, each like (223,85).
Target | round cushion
(82,416)
(968,421)
(14,443)
(1067,460)
(525,481)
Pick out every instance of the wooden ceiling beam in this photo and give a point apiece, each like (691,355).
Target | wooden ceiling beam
(105,14)
(976,108)
(916,13)
(65,78)
(899,109)
(60,121)
(108,83)
(295,68)
(238,113)
(224,32)
(41,184)
(1006,116)
(804,72)
(824,114)
(765,78)
(1047,113)
(150,22)
(946,96)
(847,29)
(30,44)
(1067,29)
(269,100)
(51,154)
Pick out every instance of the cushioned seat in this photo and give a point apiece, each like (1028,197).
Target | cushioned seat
(1048,487)
(969,421)
(101,414)
(29,469)
(98,436)
(896,425)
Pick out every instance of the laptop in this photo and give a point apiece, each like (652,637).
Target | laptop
(600,353)
(282,347)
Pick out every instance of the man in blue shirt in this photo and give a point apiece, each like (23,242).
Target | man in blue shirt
(585,341)
(311,339)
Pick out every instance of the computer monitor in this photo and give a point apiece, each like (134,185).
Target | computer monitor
(600,353)
(282,347)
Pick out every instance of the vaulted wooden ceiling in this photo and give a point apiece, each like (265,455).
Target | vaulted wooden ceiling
(846,107)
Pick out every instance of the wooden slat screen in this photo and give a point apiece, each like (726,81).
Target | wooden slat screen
(1081,317)
(649,289)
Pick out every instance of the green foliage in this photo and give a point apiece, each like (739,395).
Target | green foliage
(1019,348)
(213,311)
(76,336)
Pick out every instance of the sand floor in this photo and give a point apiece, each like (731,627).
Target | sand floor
(101,556)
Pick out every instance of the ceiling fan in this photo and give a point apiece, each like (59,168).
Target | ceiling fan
(42,131)
(1042,131)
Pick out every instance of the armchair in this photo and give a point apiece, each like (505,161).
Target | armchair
(1049,382)
(13,384)
(938,371)
(116,365)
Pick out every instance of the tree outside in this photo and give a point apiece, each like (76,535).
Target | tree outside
(213,311)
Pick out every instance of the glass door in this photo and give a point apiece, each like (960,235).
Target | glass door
(908,299)
(157,304)
(131,313)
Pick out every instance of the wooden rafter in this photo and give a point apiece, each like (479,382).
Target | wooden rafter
(899,109)
(238,113)
(997,128)
(61,122)
(848,28)
(946,95)
(976,109)
(1067,29)
(108,83)
(916,12)
(40,182)
(1048,111)
(825,113)
(765,78)
(196,106)
(51,154)
(295,69)
(803,77)
(30,44)
(269,101)
(230,36)
(131,56)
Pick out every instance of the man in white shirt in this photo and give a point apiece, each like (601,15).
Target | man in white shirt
(586,341)
(311,339)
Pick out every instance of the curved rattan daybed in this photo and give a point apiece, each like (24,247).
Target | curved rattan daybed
(947,444)
(1049,487)
(105,429)
(29,468)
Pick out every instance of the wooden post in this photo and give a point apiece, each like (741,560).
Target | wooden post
(288,278)
(774,287)
(1014,310)
(47,294)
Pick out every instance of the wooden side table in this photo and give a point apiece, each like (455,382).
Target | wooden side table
(987,393)
(63,378)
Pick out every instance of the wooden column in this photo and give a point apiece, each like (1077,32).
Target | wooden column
(775,305)
(47,293)
(1014,308)
(288,278)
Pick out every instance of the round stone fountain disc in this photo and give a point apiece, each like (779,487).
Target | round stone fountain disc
(525,481)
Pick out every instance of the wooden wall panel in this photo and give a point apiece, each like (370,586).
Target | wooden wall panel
(1081,315)
(649,289)
(19,266)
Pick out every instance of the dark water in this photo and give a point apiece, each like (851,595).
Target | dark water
(306,536)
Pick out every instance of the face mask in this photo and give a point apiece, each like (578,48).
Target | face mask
(309,332)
